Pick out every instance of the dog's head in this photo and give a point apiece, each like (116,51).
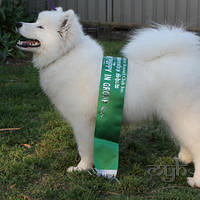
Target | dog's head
(51,36)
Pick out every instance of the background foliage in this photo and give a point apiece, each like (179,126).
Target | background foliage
(11,12)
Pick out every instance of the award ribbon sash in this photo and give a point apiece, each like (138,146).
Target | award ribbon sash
(109,115)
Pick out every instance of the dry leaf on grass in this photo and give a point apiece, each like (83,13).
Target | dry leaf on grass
(27,197)
(12,186)
(9,129)
(27,146)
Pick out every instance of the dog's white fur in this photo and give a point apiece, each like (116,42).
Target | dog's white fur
(163,79)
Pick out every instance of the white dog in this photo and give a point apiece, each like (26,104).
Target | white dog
(163,79)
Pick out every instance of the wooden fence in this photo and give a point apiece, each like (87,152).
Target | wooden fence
(138,12)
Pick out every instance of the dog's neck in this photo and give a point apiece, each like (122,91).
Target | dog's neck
(41,62)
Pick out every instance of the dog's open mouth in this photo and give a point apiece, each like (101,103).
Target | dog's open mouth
(28,43)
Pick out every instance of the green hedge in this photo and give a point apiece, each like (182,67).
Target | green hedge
(11,12)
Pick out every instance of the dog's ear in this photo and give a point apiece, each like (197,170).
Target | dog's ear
(69,13)
(65,26)
(59,9)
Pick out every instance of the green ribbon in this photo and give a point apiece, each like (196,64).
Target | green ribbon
(109,115)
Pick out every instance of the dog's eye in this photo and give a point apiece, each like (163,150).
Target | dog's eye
(41,27)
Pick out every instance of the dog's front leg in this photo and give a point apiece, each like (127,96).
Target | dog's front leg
(84,134)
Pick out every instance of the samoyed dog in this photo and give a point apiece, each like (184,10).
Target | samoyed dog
(163,79)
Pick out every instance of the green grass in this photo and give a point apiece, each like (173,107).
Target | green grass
(40,173)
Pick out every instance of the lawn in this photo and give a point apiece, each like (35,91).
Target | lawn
(35,158)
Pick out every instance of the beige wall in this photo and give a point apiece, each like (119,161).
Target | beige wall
(160,11)
(141,12)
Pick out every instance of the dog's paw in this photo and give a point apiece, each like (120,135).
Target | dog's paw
(193,182)
(185,157)
(73,169)
(82,166)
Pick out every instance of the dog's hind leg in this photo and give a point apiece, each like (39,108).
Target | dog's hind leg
(186,127)
(184,155)
(195,180)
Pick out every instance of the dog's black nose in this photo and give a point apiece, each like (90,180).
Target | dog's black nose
(19,24)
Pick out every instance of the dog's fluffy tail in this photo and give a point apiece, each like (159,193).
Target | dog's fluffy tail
(150,44)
